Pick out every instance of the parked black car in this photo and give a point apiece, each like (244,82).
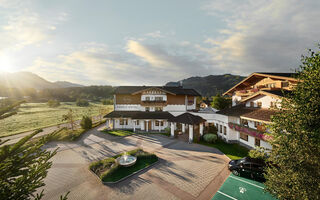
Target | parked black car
(248,167)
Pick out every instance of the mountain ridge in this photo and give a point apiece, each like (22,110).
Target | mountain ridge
(25,79)
(210,85)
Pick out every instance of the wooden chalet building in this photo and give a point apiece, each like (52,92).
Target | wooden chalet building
(254,101)
(148,108)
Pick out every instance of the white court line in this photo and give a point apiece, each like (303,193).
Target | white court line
(227,195)
(247,182)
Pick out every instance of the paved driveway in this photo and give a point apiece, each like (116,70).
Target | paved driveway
(185,171)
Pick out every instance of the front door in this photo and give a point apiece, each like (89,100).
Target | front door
(147,124)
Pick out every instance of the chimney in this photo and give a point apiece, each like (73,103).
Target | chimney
(180,83)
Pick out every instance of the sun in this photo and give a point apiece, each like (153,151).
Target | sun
(6,64)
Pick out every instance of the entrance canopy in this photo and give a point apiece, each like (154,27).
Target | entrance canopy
(187,118)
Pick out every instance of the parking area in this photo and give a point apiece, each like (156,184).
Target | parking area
(238,188)
(185,171)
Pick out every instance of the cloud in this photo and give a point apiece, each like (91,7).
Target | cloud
(263,35)
(155,34)
(142,64)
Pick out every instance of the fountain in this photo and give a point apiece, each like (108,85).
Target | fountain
(126,160)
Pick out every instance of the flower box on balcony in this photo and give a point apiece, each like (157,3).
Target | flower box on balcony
(250,131)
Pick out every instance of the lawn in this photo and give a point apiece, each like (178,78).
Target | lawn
(39,115)
(233,151)
(109,171)
(120,133)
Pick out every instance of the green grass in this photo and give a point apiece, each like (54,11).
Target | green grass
(33,116)
(233,151)
(109,171)
(120,133)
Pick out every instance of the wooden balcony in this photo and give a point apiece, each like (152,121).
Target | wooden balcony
(153,103)
(252,132)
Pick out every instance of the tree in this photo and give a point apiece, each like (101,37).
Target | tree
(295,158)
(82,103)
(70,118)
(53,103)
(219,102)
(86,123)
(23,167)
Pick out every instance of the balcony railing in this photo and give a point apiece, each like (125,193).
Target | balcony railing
(250,131)
(154,101)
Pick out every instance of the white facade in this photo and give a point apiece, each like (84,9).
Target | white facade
(231,135)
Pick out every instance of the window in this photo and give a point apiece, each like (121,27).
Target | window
(285,84)
(243,136)
(257,142)
(161,123)
(244,122)
(147,109)
(157,123)
(159,98)
(273,104)
(251,104)
(220,128)
(256,124)
(224,130)
(137,122)
(123,121)
(147,98)
(259,103)
(158,109)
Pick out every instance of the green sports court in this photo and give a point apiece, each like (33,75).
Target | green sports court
(236,187)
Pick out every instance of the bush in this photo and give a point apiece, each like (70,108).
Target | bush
(53,103)
(259,153)
(82,103)
(86,123)
(210,138)
(107,101)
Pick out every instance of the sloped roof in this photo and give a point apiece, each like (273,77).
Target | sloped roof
(274,93)
(235,111)
(253,113)
(257,76)
(260,114)
(139,115)
(171,89)
(288,75)
(187,118)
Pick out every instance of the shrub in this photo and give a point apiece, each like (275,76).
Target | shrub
(258,152)
(107,101)
(82,103)
(86,123)
(210,138)
(53,103)
(167,130)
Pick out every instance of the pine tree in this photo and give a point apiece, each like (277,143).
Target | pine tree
(294,170)
(23,167)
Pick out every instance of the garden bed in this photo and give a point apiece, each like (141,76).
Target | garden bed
(233,151)
(119,133)
(110,172)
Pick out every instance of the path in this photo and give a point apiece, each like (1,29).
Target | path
(15,138)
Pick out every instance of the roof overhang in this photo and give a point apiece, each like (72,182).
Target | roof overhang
(261,93)
(146,89)
(256,75)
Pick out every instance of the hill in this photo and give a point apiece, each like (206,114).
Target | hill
(23,80)
(209,85)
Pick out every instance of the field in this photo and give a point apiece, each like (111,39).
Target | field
(39,115)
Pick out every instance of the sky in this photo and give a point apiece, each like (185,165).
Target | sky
(148,42)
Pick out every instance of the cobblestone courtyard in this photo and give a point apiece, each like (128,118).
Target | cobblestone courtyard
(185,171)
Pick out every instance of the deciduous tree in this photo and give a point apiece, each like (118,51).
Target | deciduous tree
(295,158)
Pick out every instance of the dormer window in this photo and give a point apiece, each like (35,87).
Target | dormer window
(252,104)
(259,103)
(147,98)
(147,109)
